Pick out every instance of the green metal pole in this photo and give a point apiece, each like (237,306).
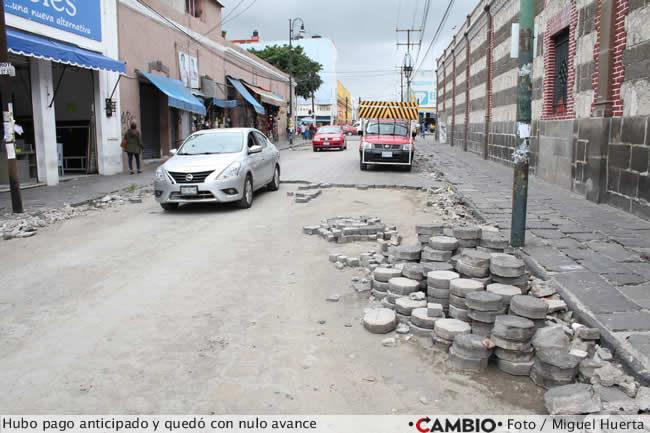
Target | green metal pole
(524,120)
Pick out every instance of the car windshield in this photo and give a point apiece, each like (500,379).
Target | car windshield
(208,144)
(385,128)
(329,130)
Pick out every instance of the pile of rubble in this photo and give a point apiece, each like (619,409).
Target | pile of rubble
(354,229)
(458,289)
(27,224)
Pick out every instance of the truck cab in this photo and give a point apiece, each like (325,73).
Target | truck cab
(386,142)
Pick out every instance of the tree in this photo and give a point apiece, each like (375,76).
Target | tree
(305,70)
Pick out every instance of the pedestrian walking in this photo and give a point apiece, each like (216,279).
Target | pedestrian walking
(134,146)
(312,130)
(424,129)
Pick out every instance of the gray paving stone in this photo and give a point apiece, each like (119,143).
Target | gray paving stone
(628,321)
(596,293)
(552,260)
(639,294)
(565,243)
(548,234)
(624,279)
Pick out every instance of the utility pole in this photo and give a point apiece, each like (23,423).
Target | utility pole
(290,120)
(407,69)
(524,118)
(346,109)
(8,117)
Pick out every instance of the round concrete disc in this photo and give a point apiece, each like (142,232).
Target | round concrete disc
(403,286)
(507,266)
(420,317)
(471,271)
(462,286)
(506,291)
(513,328)
(441,279)
(380,320)
(444,243)
(385,274)
(414,271)
(483,301)
(475,258)
(529,306)
(449,328)
(467,233)
(406,305)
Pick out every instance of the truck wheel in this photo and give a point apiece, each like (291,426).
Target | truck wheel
(363,166)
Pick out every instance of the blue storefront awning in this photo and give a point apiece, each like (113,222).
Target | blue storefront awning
(246,94)
(223,103)
(41,48)
(178,95)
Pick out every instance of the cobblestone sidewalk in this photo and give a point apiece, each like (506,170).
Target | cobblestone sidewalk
(597,254)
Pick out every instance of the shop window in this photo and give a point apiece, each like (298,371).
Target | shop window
(194,8)
(561,73)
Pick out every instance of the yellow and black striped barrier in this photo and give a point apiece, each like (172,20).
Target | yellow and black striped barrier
(388,110)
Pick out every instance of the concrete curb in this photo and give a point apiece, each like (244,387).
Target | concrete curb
(630,362)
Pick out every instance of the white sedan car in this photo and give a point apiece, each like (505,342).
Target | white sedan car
(218,165)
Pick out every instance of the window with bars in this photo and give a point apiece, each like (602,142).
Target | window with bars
(561,73)
(193,7)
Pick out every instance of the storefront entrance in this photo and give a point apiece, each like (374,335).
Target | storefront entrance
(150,120)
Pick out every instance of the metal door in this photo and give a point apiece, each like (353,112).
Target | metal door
(150,120)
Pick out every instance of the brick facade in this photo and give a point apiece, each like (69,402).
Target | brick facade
(604,158)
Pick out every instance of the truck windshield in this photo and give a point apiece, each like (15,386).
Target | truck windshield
(385,128)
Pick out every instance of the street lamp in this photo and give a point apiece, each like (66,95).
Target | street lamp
(292,26)
(408,69)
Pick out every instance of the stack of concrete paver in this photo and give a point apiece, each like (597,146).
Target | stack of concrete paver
(405,305)
(426,231)
(351,229)
(439,249)
(415,271)
(531,308)
(438,286)
(474,264)
(512,337)
(508,269)
(468,236)
(445,330)
(554,365)
(458,289)
(483,308)
(399,287)
(380,278)
(522,322)
(342,261)
(470,352)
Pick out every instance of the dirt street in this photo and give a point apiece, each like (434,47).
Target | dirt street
(216,310)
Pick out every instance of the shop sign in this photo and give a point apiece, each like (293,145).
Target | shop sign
(82,17)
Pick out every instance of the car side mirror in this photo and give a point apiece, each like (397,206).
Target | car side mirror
(173,152)
(254,149)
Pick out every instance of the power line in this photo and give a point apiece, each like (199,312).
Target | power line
(239,14)
(425,16)
(437,34)
(232,10)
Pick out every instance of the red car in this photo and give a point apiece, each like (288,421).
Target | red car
(349,130)
(329,137)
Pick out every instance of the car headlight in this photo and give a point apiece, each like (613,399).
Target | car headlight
(231,171)
(366,145)
(161,175)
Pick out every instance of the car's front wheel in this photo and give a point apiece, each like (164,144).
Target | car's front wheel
(363,166)
(275,182)
(169,206)
(246,200)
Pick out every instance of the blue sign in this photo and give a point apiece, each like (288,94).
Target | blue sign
(82,17)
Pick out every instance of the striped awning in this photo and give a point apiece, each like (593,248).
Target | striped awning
(388,110)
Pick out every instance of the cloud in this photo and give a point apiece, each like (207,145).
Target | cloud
(362,30)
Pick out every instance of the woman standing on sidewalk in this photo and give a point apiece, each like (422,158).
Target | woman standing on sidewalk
(134,146)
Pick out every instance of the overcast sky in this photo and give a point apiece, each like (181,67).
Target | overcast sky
(362,30)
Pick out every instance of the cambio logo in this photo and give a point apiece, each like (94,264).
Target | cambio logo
(460,425)
(68,6)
